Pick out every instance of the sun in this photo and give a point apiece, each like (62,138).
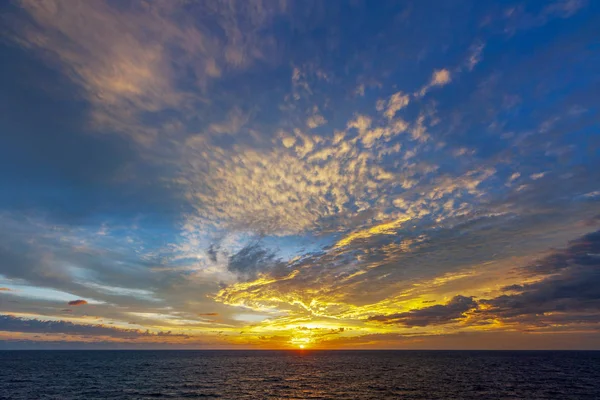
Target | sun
(301,346)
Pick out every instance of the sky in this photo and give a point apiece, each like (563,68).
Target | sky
(284,174)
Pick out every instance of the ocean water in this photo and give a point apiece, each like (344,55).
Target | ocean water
(299,375)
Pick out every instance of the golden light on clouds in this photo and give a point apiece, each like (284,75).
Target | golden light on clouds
(258,175)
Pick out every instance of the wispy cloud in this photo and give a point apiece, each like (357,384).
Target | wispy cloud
(135,59)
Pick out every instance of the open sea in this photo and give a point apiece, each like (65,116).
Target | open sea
(299,375)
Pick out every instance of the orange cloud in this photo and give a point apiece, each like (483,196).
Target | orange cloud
(78,302)
(5,289)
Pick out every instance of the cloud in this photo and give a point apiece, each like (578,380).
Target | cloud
(74,261)
(288,188)
(373,214)
(360,123)
(128,60)
(236,119)
(389,228)
(433,315)
(396,102)
(566,288)
(288,142)
(563,8)
(9,323)
(440,77)
(387,269)
(302,181)
(537,176)
(213,253)
(157,343)
(251,260)
(520,18)
(314,121)
(581,252)
(475,55)
(77,302)
(240,187)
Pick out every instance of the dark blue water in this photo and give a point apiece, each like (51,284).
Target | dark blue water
(298,375)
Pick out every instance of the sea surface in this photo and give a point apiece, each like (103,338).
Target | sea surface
(299,375)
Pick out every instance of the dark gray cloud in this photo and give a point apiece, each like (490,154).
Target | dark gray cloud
(575,289)
(584,251)
(213,252)
(434,315)
(9,323)
(252,259)
(571,285)
(568,293)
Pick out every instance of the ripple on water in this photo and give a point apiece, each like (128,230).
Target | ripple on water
(314,375)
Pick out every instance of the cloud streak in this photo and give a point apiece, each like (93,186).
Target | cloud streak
(14,324)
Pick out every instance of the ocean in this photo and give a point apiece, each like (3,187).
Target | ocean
(299,375)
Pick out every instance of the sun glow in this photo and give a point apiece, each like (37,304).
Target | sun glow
(300,342)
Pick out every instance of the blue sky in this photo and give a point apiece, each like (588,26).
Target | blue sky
(270,174)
